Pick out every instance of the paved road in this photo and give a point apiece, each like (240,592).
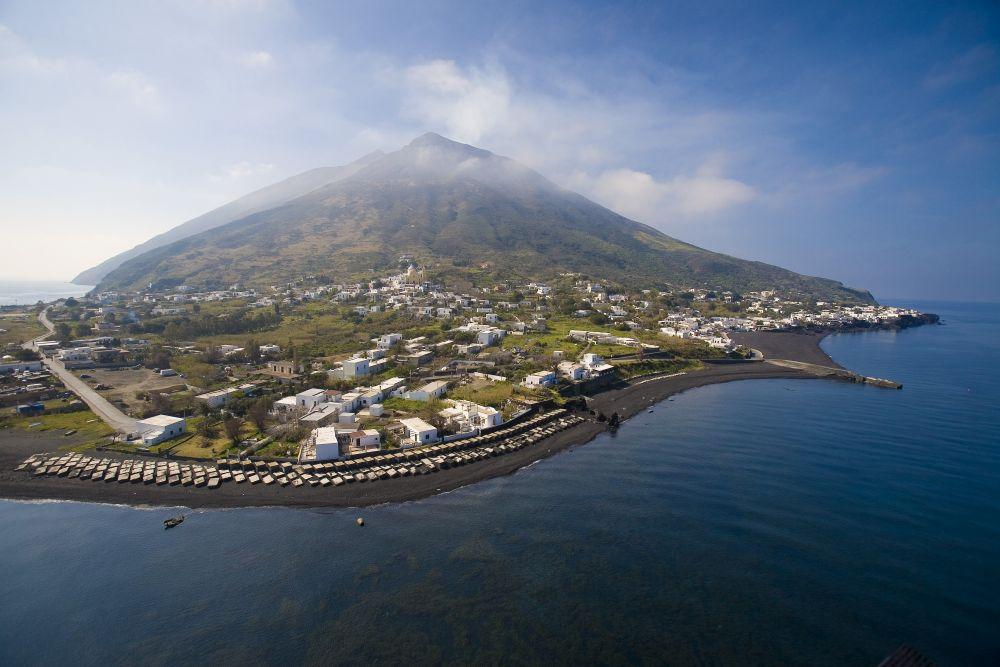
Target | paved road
(111,415)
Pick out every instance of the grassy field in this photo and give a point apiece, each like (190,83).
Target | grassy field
(485,392)
(18,330)
(559,327)
(648,367)
(86,424)
(196,445)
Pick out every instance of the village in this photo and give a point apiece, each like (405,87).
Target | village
(316,371)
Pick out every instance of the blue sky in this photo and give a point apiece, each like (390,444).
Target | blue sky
(859,142)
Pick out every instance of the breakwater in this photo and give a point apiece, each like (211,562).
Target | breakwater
(835,373)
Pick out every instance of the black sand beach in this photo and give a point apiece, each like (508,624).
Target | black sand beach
(626,399)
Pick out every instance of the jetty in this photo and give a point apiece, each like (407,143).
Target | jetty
(835,373)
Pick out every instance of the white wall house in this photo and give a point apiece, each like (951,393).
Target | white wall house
(388,340)
(325,444)
(418,431)
(310,398)
(161,427)
(427,392)
(217,398)
(540,379)
(572,371)
(356,367)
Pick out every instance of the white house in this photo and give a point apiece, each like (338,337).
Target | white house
(325,444)
(217,398)
(467,416)
(364,440)
(356,367)
(286,404)
(572,371)
(540,379)
(310,398)
(159,428)
(418,431)
(429,391)
(388,340)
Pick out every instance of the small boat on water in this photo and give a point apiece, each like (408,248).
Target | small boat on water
(173,521)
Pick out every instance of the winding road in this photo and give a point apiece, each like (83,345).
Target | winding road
(111,415)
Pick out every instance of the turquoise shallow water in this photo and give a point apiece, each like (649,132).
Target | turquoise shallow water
(762,522)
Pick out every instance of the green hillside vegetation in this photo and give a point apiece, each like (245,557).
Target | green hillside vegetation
(450,206)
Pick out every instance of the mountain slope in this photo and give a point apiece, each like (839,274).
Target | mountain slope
(442,201)
(259,200)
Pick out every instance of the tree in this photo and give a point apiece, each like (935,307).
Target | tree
(258,413)
(196,308)
(233,426)
(81,330)
(208,428)
(25,354)
(253,351)
(62,331)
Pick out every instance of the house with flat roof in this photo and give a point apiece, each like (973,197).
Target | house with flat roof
(427,392)
(159,428)
(540,379)
(310,398)
(322,445)
(418,432)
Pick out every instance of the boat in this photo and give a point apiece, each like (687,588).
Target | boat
(173,521)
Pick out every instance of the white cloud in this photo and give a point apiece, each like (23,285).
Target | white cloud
(257,59)
(638,195)
(241,170)
(16,57)
(468,104)
(142,92)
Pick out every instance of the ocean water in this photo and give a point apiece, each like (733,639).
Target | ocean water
(26,292)
(773,522)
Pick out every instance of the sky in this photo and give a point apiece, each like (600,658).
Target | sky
(858,141)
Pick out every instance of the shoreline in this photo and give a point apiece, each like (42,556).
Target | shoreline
(626,398)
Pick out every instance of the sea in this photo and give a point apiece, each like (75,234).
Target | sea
(28,292)
(764,522)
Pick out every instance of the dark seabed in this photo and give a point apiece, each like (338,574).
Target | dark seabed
(762,522)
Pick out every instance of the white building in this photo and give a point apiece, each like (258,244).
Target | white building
(161,427)
(217,398)
(468,416)
(325,445)
(572,371)
(310,398)
(429,391)
(418,431)
(540,379)
(356,367)
(286,404)
(364,440)
(388,340)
